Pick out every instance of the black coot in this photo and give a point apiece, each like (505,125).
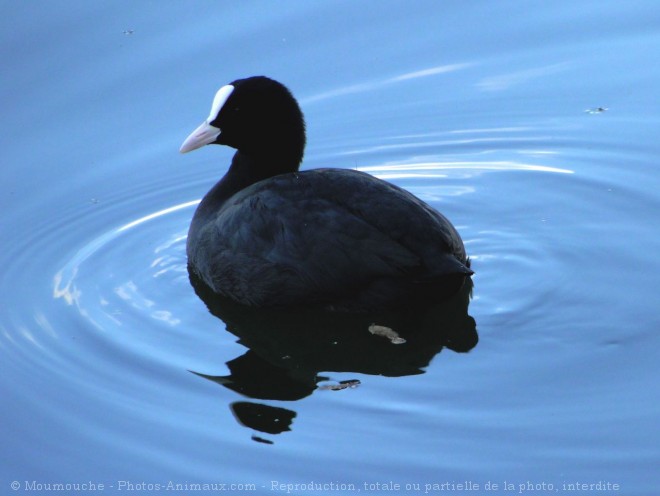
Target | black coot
(269,235)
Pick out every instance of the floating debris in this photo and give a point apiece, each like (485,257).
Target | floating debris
(350,384)
(262,440)
(596,110)
(386,332)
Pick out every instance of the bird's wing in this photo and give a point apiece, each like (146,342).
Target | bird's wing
(324,244)
(322,232)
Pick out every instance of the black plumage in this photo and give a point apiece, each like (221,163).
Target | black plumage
(268,234)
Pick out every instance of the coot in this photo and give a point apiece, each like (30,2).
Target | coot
(269,235)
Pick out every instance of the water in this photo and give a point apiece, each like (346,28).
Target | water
(534,128)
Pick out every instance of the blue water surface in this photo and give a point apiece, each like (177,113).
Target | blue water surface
(532,125)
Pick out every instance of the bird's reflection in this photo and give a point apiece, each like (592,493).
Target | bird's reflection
(288,349)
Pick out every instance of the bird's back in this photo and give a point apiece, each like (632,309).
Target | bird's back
(331,236)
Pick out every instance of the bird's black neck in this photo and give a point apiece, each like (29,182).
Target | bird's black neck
(244,171)
(249,168)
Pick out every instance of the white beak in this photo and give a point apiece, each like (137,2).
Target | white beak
(203,135)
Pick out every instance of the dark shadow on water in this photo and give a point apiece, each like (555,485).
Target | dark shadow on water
(288,349)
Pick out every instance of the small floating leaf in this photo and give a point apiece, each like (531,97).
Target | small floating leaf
(386,332)
(350,384)
(596,110)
